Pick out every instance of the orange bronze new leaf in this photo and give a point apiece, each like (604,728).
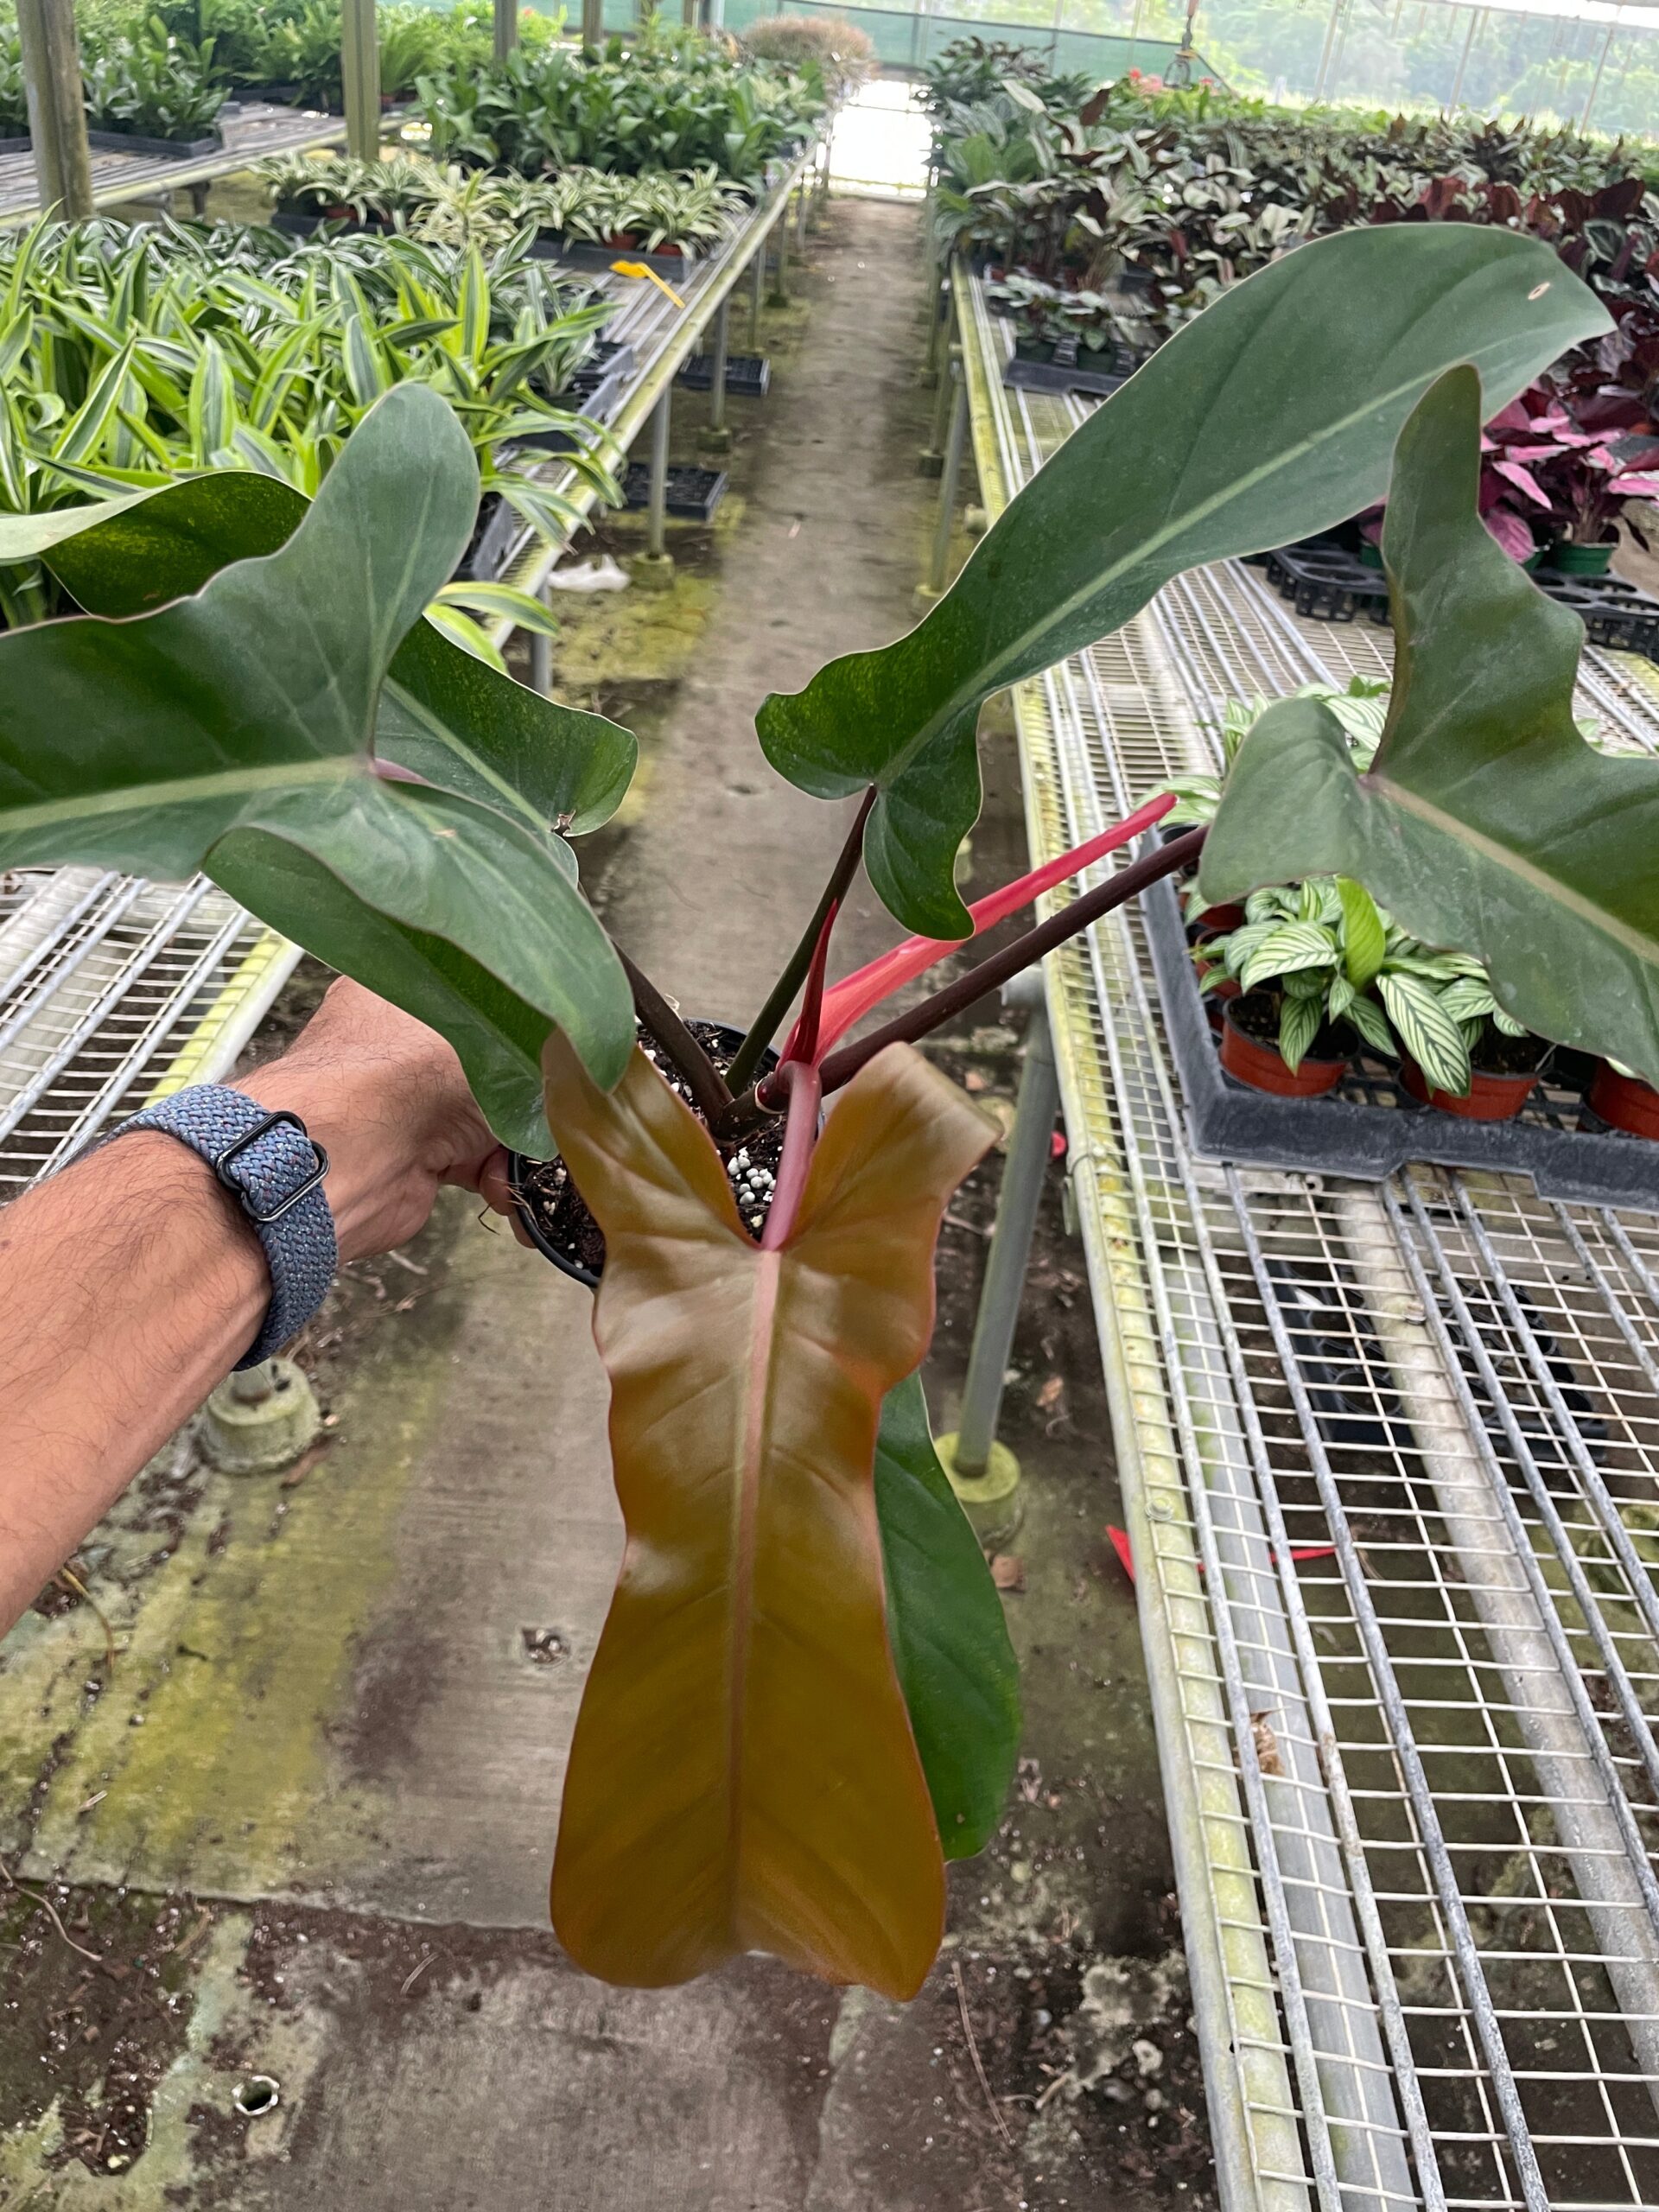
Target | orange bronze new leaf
(743,1776)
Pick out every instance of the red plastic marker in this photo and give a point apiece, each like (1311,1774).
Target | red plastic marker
(1120,1543)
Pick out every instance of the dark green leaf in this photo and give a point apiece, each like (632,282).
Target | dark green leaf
(443,714)
(1486,822)
(249,708)
(949,1640)
(1270,416)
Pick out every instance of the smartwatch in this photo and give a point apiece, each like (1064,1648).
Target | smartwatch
(274,1169)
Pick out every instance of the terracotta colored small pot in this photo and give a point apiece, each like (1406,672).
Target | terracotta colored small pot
(1491,1097)
(1214,921)
(1263,1068)
(1624,1101)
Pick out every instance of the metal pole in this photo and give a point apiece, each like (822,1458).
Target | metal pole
(505,27)
(656,513)
(1325,50)
(593,24)
(780,283)
(541,662)
(57,112)
(756,294)
(1134,33)
(931,460)
(952,470)
(1016,1218)
(360,68)
(1463,60)
(717,438)
(688,14)
(1595,82)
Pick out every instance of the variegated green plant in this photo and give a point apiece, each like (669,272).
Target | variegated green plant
(130,357)
(1332,955)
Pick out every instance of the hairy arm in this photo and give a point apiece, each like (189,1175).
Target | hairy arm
(131,1283)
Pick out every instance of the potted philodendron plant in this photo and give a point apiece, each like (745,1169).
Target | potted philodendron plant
(802,1702)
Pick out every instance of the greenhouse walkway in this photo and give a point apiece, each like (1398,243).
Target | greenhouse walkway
(318,1792)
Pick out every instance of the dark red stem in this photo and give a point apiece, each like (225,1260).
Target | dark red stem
(763,1027)
(799,1078)
(990,974)
(806,1040)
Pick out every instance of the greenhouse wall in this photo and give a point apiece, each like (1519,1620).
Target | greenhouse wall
(1392,53)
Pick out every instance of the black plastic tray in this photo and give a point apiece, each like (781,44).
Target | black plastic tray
(1372,1125)
(693,493)
(749,375)
(499,527)
(1064,376)
(596,390)
(1324,580)
(178,149)
(1616,613)
(579,254)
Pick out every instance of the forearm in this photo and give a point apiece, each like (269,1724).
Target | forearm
(129,1285)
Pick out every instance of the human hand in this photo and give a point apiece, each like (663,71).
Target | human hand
(386,1098)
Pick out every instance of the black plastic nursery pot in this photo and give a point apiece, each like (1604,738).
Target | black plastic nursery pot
(129,142)
(560,1241)
(23,145)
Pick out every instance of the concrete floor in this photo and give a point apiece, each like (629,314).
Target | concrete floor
(303,1827)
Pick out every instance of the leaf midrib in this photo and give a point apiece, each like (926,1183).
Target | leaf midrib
(989,676)
(183,791)
(1551,888)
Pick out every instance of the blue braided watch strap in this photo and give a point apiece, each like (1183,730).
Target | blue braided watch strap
(275,1170)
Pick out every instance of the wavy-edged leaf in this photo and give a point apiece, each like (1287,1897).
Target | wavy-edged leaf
(950,1638)
(1485,822)
(251,706)
(442,715)
(743,1774)
(1269,417)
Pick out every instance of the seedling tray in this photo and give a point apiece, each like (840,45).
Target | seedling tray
(1325,581)
(22,145)
(693,493)
(499,527)
(1116,365)
(747,375)
(1371,1125)
(1614,613)
(127,142)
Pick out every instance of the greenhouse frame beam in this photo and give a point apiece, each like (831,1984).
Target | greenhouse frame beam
(360,66)
(57,109)
(505,27)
